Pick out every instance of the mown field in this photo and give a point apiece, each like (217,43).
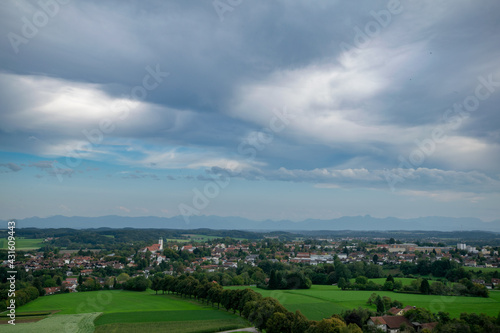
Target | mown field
(323,301)
(127,311)
(80,323)
(23,243)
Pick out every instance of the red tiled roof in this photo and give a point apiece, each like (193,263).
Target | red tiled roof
(391,321)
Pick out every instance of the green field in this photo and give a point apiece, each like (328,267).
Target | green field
(123,311)
(81,323)
(323,301)
(177,240)
(207,326)
(204,238)
(108,301)
(23,243)
(155,316)
(483,269)
(381,281)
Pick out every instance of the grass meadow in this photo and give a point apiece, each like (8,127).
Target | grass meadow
(23,243)
(323,301)
(381,281)
(128,311)
(78,323)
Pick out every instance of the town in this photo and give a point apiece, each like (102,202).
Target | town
(61,268)
(63,261)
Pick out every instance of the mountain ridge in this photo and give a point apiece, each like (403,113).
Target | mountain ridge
(366,222)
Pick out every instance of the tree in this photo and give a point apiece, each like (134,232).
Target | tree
(438,288)
(300,322)
(215,294)
(156,284)
(123,277)
(379,304)
(278,323)
(38,285)
(263,310)
(375,258)
(330,325)
(80,279)
(247,295)
(390,278)
(353,328)
(424,287)
(397,304)
(342,283)
(357,316)
(273,282)
(372,299)
(362,280)
(226,299)
(139,283)
(388,285)
(167,282)
(420,315)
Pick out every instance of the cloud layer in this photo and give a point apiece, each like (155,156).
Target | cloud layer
(373,95)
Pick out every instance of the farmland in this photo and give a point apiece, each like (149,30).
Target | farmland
(483,269)
(81,323)
(123,311)
(204,238)
(381,281)
(23,243)
(323,301)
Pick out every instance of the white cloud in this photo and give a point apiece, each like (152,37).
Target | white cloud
(445,196)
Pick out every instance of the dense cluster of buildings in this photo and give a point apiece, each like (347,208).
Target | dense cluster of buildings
(228,256)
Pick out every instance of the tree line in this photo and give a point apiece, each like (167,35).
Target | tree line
(463,287)
(266,313)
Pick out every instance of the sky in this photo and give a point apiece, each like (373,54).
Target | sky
(259,109)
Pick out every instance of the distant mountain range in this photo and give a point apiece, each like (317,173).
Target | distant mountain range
(367,222)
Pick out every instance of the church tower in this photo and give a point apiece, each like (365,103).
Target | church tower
(161,243)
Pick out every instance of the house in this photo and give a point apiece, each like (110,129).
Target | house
(396,311)
(71,280)
(390,324)
(52,290)
(154,248)
(189,248)
(408,308)
(429,326)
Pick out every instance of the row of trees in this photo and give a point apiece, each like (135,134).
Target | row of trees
(288,280)
(265,313)
(383,303)
(464,287)
(326,274)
